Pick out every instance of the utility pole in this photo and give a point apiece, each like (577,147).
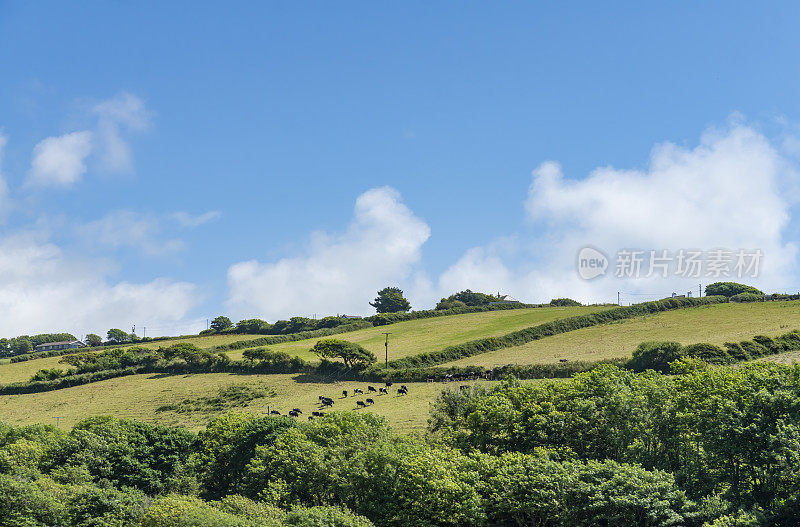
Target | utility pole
(386,344)
(58,421)
(700,288)
(144,332)
(618,299)
(207,326)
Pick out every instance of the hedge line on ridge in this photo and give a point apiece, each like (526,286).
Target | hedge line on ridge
(523,336)
(291,337)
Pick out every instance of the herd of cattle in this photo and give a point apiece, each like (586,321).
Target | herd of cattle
(327,402)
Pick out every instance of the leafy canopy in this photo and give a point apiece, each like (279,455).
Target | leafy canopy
(390,300)
(352,354)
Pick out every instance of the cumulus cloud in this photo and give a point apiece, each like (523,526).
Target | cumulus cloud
(60,161)
(125,228)
(42,290)
(727,192)
(125,112)
(338,273)
(187,220)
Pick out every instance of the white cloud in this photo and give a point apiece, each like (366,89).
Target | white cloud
(725,193)
(185,219)
(42,290)
(338,273)
(123,112)
(131,229)
(60,160)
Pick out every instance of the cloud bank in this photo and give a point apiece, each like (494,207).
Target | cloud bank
(727,192)
(338,273)
(44,290)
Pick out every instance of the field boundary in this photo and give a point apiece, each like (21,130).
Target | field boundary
(555,327)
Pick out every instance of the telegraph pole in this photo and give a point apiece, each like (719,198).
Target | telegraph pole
(58,421)
(700,288)
(386,344)
(618,299)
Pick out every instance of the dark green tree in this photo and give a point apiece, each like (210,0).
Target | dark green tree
(117,335)
(221,323)
(93,340)
(352,354)
(390,300)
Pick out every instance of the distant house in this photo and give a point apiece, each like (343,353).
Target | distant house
(504,299)
(350,317)
(64,345)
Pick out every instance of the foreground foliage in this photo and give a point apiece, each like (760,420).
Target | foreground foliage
(709,446)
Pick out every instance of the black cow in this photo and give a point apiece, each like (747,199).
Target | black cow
(371,389)
(275,412)
(370,401)
(310,418)
(388,384)
(327,402)
(315,414)
(361,404)
(297,410)
(292,413)
(383,390)
(402,391)
(344,393)
(358,390)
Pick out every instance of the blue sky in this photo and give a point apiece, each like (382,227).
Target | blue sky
(189,139)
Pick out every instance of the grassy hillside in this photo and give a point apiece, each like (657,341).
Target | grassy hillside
(715,324)
(139,397)
(428,334)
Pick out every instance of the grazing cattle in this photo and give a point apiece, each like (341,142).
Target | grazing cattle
(563,360)
(310,418)
(315,414)
(297,410)
(360,404)
(403,386)
(292,413)
(388,384)
(402,391)
(275,412)
(358,390)
(383,390)
(344,393)
(327,402)
(371,389)
(370,401)
(321,397)
(321,414)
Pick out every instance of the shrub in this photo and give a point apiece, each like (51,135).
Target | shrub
(729,289)
(747,297)
(655,356)
(564,302)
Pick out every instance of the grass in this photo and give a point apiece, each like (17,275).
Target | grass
(23,371)
(715,324)
(430,334)
(141,396)
(788,358)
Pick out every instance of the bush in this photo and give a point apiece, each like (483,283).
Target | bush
(655,356)
(564,302)
(729,289)
(747,297)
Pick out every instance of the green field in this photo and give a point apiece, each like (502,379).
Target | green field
(715,324)
(138,397)
(431,334)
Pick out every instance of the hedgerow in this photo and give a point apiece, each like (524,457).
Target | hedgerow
(523,336)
